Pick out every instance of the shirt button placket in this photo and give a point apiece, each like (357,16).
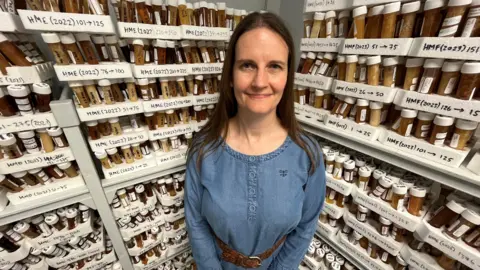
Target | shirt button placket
(252,187)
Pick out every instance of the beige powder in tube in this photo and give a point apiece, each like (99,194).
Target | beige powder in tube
(390,12)
(359,22)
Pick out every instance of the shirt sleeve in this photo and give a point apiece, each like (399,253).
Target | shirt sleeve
(201,238)
(297,242)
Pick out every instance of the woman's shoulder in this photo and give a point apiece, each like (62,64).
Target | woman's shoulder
(308,144)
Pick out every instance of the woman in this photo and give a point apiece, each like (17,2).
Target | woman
(255,183)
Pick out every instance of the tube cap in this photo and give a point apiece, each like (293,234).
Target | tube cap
(390,61)
(418,192)
(343,14)
(414,62)
(471,216)
(351,59)
(411,7)
(391,8)
(376,105)
(67,38)
(433,4)
(104,82)
(461,124)
(54,131)
(407,113)
(349,164)
(50,37)
(433,63)
(64,165)
(42,88)
(443,121)
(362,102)
(384,221)
(18,90)
(311,55)
(471,68)
(376,10)
(425,116)
(330,14)
(452,66)
(456,3)
(319,16)
(364,172)
(373,60)
(400,189)
(362,10)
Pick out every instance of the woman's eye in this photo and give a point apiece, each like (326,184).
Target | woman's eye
(276,66)
(247,66)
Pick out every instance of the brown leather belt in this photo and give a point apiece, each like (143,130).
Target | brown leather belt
(238,259)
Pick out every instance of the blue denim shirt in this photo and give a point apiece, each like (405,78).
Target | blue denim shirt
(251,202)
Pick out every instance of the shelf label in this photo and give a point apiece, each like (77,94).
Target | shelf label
(32,161)
(441,154)
(92,72)
(206,99)
(27,122)
(387,243)
(339,185)
(177,155)
(365,91)
(201,69)
(168,132)
(463,254)
(65,235)
(311,263)
(108,111)
(168,201)
(167,104)
(365,132)
(311,112)
(136,251)
(326,5)
(42,191)
(332,210)
(444,105)
(148,31)
(154,71)
(204,33)
(361,255)
(10,21)
(134,167)
(107,259)
(377,46)
(325,229)
(66,22)
(58,263)
(315,81)
(321,44)
(437,47)
(404,219)
(116,141)
(418,264)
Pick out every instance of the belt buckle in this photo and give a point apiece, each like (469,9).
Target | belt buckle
(256,260)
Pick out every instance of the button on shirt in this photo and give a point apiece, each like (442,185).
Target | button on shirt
(251,202)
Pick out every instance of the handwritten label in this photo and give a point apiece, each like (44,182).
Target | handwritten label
(206,99)
(360,255)
(124,169)
(458,48)
(148,31)
(92,72)
(315,81)
(325,229)
(419,260)
(364,91)
(177,155)
(7,258)
(441,154)
(154,71)
(60,262)
(339,185)
(116,141)
(200,69)
(108,111)
(27,122)
(332,210)
(38,192)
(365,132)
(311,112)
(384,46)
(456,250)
(167,104)
(387,243)
(62,236)
(27,75)
(444,105)
(204,33)
(66,22)
(326,5)
(168,132)
(107,259)
(321,44)
(32,161)
(404,219)
(173,217)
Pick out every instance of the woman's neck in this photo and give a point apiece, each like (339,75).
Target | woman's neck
(254,126)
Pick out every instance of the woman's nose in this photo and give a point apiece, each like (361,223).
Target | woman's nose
(261,79)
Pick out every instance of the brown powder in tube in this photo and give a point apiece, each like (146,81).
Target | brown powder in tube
(390,12)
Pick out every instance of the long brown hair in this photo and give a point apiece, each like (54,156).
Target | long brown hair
(209,138)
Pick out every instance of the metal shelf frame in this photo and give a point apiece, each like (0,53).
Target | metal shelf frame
(459,178)
(66,115)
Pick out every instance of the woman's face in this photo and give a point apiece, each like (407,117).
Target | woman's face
(260,71)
